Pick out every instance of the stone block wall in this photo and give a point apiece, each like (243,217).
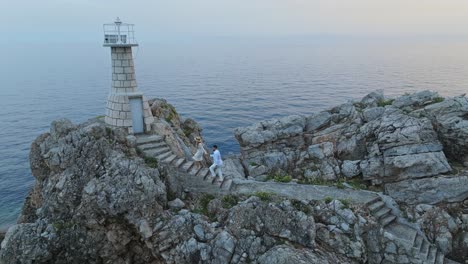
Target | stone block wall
(124,86)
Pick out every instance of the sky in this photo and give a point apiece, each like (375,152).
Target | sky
(59,20)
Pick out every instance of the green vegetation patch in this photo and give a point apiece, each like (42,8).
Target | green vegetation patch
(346,203)
(264,196)
(298,205)
(357,184)
(328,199)
(253,164)
(151,162)
(438,100)
(279,178)
(203,205)
(188,131)
(383,103)
(62,225)
(229,201)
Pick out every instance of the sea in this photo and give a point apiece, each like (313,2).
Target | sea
(222,83)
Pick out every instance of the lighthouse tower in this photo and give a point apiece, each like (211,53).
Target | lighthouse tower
(126,107)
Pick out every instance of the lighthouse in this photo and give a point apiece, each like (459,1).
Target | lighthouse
(126,107)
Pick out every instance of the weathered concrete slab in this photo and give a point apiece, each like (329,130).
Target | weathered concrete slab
(301,191)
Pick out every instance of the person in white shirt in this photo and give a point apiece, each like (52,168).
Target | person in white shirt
(217,163)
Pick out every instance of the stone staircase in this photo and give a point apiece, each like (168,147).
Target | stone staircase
(405,235)
(155,146)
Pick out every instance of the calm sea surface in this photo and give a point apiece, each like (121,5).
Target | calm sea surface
(220,84)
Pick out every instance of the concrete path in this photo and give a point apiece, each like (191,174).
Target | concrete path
(302,191)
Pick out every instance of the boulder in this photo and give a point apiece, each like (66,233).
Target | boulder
(450,119)
(350,168)
(271,130)
(373,113)
(372,99)
(415,100)
(176,204)
(233,169)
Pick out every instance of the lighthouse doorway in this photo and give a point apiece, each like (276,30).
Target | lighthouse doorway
(136,106)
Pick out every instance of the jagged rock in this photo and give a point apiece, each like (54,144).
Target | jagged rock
(178,133)
(85,181)
(350,168)
(415,100)
(373,113)
(223,248)
(450,119)
(287,255)
(372,99)
(317,121)
(430,190)
(393,143)
(272,130)
(275,221)
(233,169)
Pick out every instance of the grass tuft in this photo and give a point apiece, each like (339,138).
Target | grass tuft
(264,196)
(229,201)
(384,103)
(151,162)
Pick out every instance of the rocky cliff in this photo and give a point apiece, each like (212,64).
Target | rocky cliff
(98,199)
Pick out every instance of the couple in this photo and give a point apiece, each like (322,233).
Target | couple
(217,161)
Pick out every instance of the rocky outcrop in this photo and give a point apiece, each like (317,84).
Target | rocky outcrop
(382,141)
(178,133)
(432,190)
(94,199)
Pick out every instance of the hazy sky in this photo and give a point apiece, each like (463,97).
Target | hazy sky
(51,20)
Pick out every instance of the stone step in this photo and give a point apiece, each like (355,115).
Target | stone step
(226,184)
(148,138)
(387,220)
(403,233)
(424,250)
(194,171)
(440,258)
(418,240)
(203,173)
(148,146)
(376,206)
(431,257)
(187,165)
(179,162)
(170,159)
(156,152)
(164,155)
(210,178)
(374,200)
(382,212)
(217,182)
(449,261)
